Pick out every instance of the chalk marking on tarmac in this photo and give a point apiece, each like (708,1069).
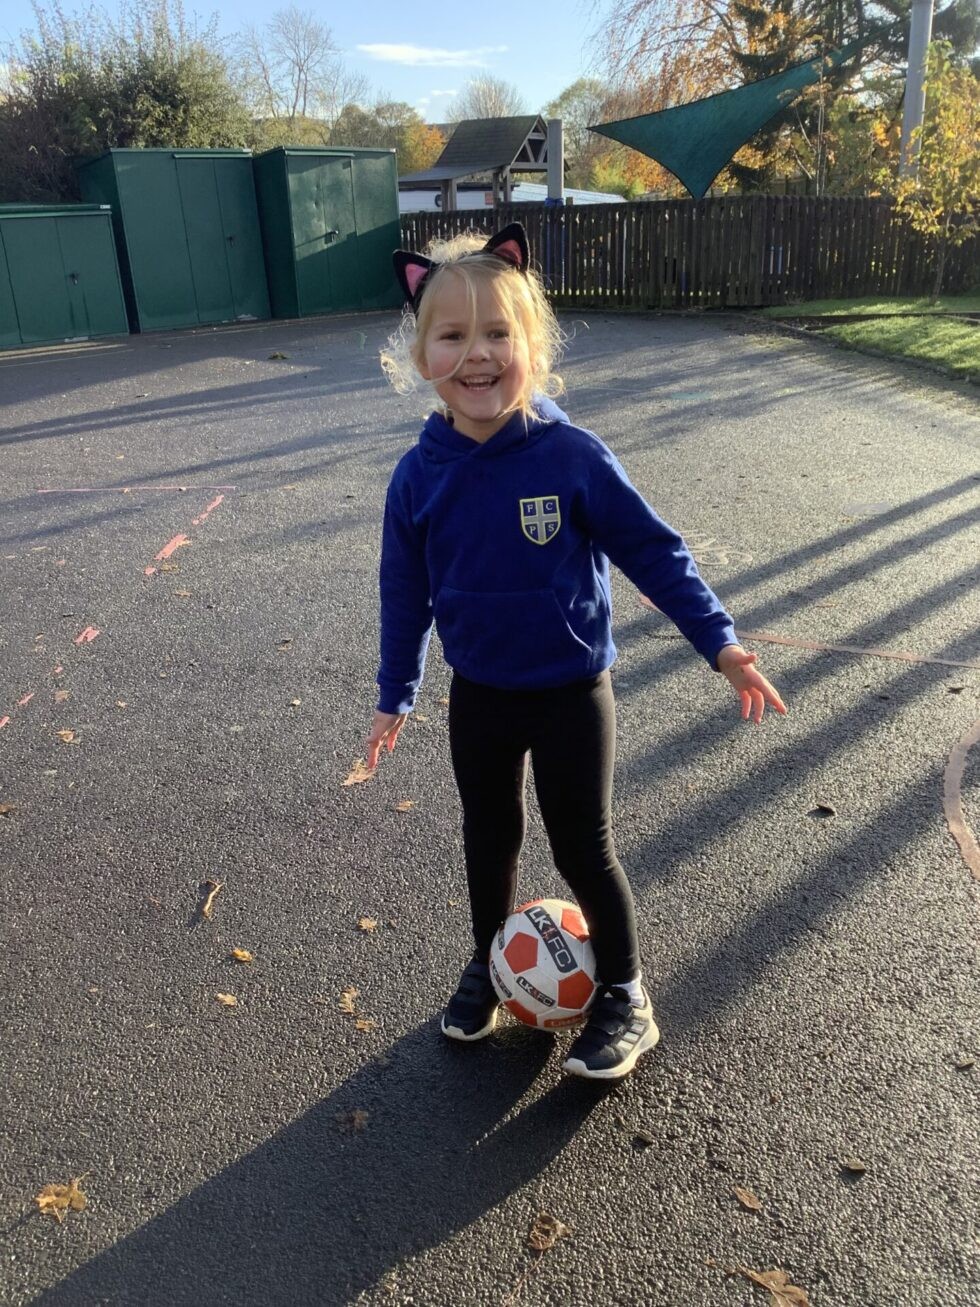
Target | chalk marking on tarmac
(898,654)
(196,521)
(953,800)
(124,490)
(87,636)
(26,699)
(170,547)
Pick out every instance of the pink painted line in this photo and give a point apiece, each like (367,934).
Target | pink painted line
(953,800)
(149,571)
(170,547)
(213,504)
(3,722)
(58,670)
(26,699)
(122,490)
(86,636)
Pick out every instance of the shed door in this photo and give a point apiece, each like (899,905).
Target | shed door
(206,239)
(37,279)
(243,239)
(9,326)
(322,202)
(91,277)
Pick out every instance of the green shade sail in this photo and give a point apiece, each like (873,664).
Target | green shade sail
(695,141)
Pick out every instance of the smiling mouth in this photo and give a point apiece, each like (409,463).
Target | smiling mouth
(478,383)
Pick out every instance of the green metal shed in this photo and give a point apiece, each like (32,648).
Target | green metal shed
(59,279)
(187,231)
(329,225)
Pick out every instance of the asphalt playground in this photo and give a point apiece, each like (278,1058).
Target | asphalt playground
(189,529)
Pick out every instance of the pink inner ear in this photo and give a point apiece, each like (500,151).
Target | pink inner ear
(511,251)
(414,273)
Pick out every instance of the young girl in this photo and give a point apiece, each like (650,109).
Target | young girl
(500,525)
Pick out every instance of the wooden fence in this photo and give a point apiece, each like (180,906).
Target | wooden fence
(729,252)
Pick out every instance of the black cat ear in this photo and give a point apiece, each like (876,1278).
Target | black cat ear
(411,271)
(510,243)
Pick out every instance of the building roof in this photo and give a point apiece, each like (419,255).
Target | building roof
(488,145)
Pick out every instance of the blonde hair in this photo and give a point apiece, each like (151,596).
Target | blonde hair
(521,299)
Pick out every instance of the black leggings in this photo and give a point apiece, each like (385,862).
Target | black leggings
(570,734)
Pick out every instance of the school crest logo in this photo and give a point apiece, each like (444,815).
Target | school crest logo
(540,519)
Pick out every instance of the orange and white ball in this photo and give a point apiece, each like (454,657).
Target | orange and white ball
(542,964)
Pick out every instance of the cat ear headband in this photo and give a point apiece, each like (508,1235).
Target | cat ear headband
(413,270)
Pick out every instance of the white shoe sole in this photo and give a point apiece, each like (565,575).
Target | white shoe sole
(576,1067)
(454,1032)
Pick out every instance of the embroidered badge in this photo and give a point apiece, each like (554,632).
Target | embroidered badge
(540,519)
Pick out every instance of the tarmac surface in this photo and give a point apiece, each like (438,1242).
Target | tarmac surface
(189,530)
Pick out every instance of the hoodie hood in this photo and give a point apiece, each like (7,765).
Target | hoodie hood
(440,442)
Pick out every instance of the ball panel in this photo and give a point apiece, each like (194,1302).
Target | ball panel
(521,952)
(573,922)
(575,991)
(521,1012)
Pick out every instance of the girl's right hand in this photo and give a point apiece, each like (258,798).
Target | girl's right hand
(384,733)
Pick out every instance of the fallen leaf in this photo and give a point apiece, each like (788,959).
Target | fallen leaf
(7,808)
(644,1139)
(169,567)
(228,1000)
(366,923)
(182,594)
(444,702)
(419,717)
(210,889)
(854,1166)
(346,1000)
(57,1199)
(546,1232)
(60,696)
(283,645)
(359,773)
(823,810)
(364,1023)
(406,805)
(354,1120)
(747,1198)
(965,1063)
(278,355)
(295,703)
(121,703)
(955,689)
(782,1293)
(242,955)
(67,736)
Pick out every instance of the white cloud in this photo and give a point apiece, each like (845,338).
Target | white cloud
(418,56)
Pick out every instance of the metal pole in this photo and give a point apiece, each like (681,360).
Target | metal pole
(920,34)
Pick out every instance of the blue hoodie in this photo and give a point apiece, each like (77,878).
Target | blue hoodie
(507,545)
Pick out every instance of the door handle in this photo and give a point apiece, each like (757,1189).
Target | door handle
(74,278)
(332,232)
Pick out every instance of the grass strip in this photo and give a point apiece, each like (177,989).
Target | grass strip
(942,343)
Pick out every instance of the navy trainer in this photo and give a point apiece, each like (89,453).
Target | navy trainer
(472,1010)
(614,1036)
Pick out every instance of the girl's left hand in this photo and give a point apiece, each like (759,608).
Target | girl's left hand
(751,686)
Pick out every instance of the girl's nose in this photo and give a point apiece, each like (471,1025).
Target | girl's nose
(478,349)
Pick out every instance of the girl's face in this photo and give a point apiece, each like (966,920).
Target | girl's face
(482,382)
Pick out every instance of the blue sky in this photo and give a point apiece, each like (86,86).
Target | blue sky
(539,48)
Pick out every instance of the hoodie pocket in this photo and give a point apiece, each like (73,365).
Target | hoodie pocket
(516,638)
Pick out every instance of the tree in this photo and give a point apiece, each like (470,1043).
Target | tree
(486,97)
(942,199)
(292,75)
(389,125)
(81,85)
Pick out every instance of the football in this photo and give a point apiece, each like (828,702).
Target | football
(542,964)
